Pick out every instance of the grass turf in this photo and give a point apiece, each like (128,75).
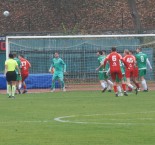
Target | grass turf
(95,119)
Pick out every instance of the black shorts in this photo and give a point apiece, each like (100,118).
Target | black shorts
(11,76)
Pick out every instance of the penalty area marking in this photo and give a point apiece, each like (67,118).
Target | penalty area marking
(65,119)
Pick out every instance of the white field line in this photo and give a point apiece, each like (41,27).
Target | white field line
(65,119)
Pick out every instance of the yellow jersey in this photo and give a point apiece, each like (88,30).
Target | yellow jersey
(11,64)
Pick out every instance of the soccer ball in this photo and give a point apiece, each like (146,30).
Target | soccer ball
(6,13)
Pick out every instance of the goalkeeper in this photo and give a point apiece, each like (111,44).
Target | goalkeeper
(58,67)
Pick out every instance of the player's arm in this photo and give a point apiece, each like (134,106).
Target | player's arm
(149,64)
(64,64)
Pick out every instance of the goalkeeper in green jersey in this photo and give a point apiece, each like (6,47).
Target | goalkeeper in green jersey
(142,61)
(59,70)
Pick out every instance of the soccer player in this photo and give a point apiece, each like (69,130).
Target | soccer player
(142,61)
(101,73)
(109,82)
(59,69)
(130,62)
(114,59)
(11,75)
(25,66)
(19,78)
(135,74)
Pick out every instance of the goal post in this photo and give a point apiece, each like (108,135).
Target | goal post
(79,54)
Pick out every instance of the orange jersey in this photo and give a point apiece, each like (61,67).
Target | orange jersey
(129,61)
(25,66)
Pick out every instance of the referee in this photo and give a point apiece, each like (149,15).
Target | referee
(11,76)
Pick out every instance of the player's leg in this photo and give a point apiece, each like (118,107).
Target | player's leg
(61,78)
(24,76)
(54,78)
(114,79)
(102,81)
(109,82)
(142,73)
(14,80)
(128,74)
(123,80)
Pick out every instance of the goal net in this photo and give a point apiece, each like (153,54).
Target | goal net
(79,54)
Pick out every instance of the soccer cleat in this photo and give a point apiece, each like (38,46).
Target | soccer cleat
(125,94)
(53,90)
(9,97)
(64,90)
(120,94)
(19,91)
(136,91)
(25,91)
(109,91)
(104,89)
(116,95)
(145,90)
(13,97)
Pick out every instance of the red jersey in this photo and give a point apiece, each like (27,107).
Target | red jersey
(25,66)
(129,61)
(114,61)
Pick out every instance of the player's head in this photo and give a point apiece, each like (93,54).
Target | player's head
(104,52)
(14,55)
(99,52)
(126,51)
(21,56)
(131,52)
(11,55)
(56,54)
(113,49)
(139,49)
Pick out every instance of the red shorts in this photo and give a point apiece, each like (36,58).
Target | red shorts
(24,76)
(135,74)
(115,73)
(129,73)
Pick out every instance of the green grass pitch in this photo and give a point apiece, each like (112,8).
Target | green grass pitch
(78,118)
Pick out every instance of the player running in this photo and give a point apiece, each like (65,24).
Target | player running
(130,62)
(142,61)
(59,69)
(25,66)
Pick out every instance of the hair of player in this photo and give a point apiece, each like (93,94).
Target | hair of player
(126,51)
(139,48)
(11,55)
(100,52)
(21,56)
(113,49)
(104,51)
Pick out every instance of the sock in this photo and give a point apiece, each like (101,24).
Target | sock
(62,84)
(103,85)
(13,90)
(115,88)
(143,82)
(53,85)
(24,87)
(19,86)
(130,86)
(110,83)
(137,85)
(124,87)
(119,89)
(109,87)
(9,89)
